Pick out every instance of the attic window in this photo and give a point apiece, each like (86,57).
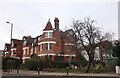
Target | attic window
(48,34)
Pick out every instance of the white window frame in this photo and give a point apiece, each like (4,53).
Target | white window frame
(53,42)
(41,47)
(48,35)
(49,46)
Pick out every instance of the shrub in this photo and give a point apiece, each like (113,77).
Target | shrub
(80,63)
(61,65)
(10,62)
(32,64)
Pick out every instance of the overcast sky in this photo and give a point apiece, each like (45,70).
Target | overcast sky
(29,17)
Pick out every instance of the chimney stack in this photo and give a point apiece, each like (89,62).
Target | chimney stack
(56,21)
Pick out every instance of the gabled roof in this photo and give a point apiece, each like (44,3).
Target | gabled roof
(17,41)
(48,26)
(28,39)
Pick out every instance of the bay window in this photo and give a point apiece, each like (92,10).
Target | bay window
(48,46)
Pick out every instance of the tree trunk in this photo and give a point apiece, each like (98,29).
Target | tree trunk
(88,67)
(91,58)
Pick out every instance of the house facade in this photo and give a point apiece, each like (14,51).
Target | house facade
(13,50)
(102,52)
(27,47)
(16,49)
(53,43)
(7,48)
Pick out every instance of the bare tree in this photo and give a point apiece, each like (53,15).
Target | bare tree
(88,37)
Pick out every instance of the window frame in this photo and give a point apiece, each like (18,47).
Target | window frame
(48,34)
(48,46)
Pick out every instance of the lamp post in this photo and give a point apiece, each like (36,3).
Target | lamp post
(11,31)
(10,41)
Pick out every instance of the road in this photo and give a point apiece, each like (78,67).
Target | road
(43,74)
(47,76)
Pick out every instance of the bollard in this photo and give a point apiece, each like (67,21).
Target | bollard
(17,69)
(38,71)
(67,70)
(117,69)
(11,69)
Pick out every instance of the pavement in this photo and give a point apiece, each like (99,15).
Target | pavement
(43,73)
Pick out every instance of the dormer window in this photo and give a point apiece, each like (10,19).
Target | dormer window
(48,34)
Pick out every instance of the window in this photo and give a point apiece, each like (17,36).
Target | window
(39,47)
(48,34)
(25,51)
(48,46)
(72,58)
(50,57)
(14,52)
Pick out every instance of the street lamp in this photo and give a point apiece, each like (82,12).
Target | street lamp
(11,31)
(10,41)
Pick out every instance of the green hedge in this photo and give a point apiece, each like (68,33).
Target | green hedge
(32,64)
(10,62)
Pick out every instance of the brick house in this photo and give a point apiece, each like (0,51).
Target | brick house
(27,47)
(105,51)
(6,52)
(13,50)
(102,52)
(52,43)
(16,49)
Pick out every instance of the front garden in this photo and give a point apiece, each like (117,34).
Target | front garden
(56,66)
(59,66)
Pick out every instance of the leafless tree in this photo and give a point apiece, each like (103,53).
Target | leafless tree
(88,37)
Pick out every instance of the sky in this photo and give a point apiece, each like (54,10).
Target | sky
(29,17)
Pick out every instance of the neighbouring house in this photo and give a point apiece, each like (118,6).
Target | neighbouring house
(13,50)
(27,47)
(70,45)
(102,52)
(105,49)
(16,49)
(7,48)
